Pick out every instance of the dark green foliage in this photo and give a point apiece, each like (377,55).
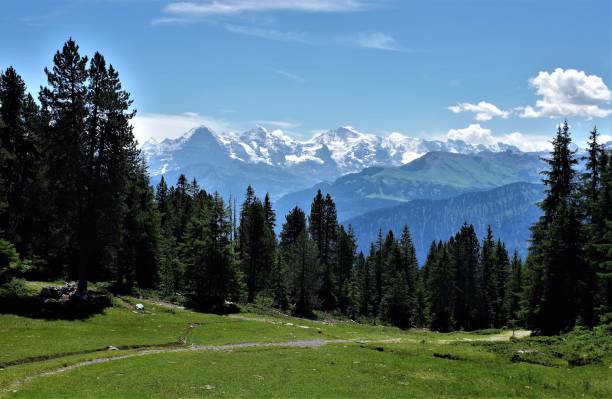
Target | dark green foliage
(207,255)
(10,268)
(466,270)
(18,154)
(514,291)
(442,288)
(556,263)
(257,243)
(323,226)
(300,254)
(344,265)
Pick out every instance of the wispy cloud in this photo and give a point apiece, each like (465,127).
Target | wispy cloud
(374,40)
(228,7)
(270,34)
(289,75)
(279,124)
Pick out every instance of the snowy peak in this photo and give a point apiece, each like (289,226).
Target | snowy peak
(329,154)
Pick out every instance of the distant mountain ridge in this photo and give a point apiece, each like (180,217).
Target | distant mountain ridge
(435,175)
(510,210)
(295,164)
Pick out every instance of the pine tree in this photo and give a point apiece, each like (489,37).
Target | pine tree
(345,261)
(555,262)
(18,160)
(465,273)
(323,230)
(488,281)
(502,275)
(600,248)
(254,239)
(64,102)
(395,305)
(441,290)
(359,289)
(378,263)
(514,291)
(300,254)
(207,254)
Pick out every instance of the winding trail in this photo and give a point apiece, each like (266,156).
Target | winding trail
(227,347)
(182,346)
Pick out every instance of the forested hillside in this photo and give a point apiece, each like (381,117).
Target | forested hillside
(510,210)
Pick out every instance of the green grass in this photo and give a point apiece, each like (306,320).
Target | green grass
(377,362)
(345,370)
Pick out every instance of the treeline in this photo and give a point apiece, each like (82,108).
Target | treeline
(76,203)
(75,198)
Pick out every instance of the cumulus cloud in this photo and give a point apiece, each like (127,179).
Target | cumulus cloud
(476,134)
(160,126)
(484,111)
(568,92)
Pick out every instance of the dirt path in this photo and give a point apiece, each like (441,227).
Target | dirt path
(228,347)
(504,336)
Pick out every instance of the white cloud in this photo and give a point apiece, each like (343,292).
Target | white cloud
(568,92)
(279,124)
(270,34)
(289,75)
(484,111)
(375,40)
(604,138)
(228,7)
(160,126)
(476,134)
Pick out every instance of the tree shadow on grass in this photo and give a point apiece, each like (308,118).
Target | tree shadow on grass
(36,308)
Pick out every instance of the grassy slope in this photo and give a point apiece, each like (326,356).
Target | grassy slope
(400,364)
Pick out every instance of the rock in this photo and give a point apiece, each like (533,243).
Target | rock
(112,348)
(139,306)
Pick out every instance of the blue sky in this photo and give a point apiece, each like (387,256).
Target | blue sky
(476,69)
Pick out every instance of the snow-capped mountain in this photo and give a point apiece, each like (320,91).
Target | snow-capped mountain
(206,154)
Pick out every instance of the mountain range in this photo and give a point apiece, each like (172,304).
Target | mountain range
(435,175)
(377,182)
(273,162)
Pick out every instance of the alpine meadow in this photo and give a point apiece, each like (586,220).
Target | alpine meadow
(178,219)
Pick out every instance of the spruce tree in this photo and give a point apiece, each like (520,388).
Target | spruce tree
(299,252)
(207,254)
(18,160)
(502,274)
(555,262)
(256,245)
(441,289)
(514,291)
(465,273)
(488,281)
(345,259)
